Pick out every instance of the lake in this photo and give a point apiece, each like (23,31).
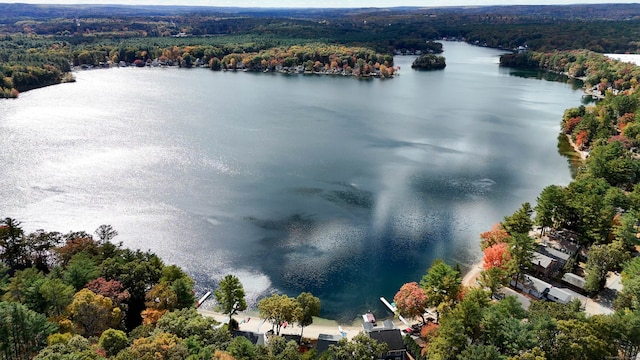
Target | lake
(342,187)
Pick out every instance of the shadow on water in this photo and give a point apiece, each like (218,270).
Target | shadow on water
(573,158)
(548,76)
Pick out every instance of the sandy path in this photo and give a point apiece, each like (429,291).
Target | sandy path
(469,279)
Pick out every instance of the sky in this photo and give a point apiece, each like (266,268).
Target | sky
(322,3)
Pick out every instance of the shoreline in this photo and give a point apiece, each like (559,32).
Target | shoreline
(324,325)
(251,321)
(471,277)
(583,154)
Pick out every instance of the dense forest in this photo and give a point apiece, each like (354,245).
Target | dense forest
(429,62)
(40,43)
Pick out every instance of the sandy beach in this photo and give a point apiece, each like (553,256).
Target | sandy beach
(250,321)
(471,277)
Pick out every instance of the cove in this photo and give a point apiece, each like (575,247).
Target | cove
(341,187)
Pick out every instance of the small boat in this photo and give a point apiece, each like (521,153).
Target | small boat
(368,317)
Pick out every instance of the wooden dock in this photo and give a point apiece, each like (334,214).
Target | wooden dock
(395,311)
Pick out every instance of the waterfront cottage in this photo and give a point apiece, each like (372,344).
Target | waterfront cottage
(393,339)
(326,340)
(543,264)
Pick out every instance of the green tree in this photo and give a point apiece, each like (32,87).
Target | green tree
(105,233)
(583,339)
(494,278)
(520,221)
(138,272)
(521,248)
(92,314)
(12,249)
(626,231)
(626,332)
(591,215)
(600,260)
(56,295)
(532,354)
(80,270)
(550,207)
(459,327)
(279,310)
(309,307)
(442,286)
(160,345)
(279,348)
(480,352)
(23,332)
(181,284)
(360,347)
(24,287)
(230,295)
(502,327)
(188,323)
(630,278)
(242,349)
(112,341)
(39,246)
(161,297)
(76,348)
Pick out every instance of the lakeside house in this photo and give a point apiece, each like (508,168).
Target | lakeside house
(393,338)
(326,340)
(575,281)
(542,290)
(560,256)
(543,265)
(255,337)
(558,295)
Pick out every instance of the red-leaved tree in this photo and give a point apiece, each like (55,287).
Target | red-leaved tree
(411,300)
(112,289)
(496,235)
(496,256)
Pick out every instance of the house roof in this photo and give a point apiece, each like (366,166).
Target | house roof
(542,260)
(392,337)
(559,294)
(324,341)
(574,280)
(553,253)
(534,283)
(255,338)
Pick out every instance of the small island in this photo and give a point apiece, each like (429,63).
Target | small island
(429,62)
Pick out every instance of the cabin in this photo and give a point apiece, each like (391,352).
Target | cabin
(574,281)
(558,295)
(560,256)
(326,340)
(255,338)
(532,286)
(543,265)
(393,339)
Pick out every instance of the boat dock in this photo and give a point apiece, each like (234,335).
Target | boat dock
(395,311)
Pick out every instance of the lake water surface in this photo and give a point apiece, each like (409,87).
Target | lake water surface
(342,187)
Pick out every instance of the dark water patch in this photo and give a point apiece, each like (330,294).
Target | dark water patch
(452,189)
(548,76)
(573,158)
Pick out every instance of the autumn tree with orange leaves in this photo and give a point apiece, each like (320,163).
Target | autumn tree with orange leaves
(497,235)
(411,300)
(496,256)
